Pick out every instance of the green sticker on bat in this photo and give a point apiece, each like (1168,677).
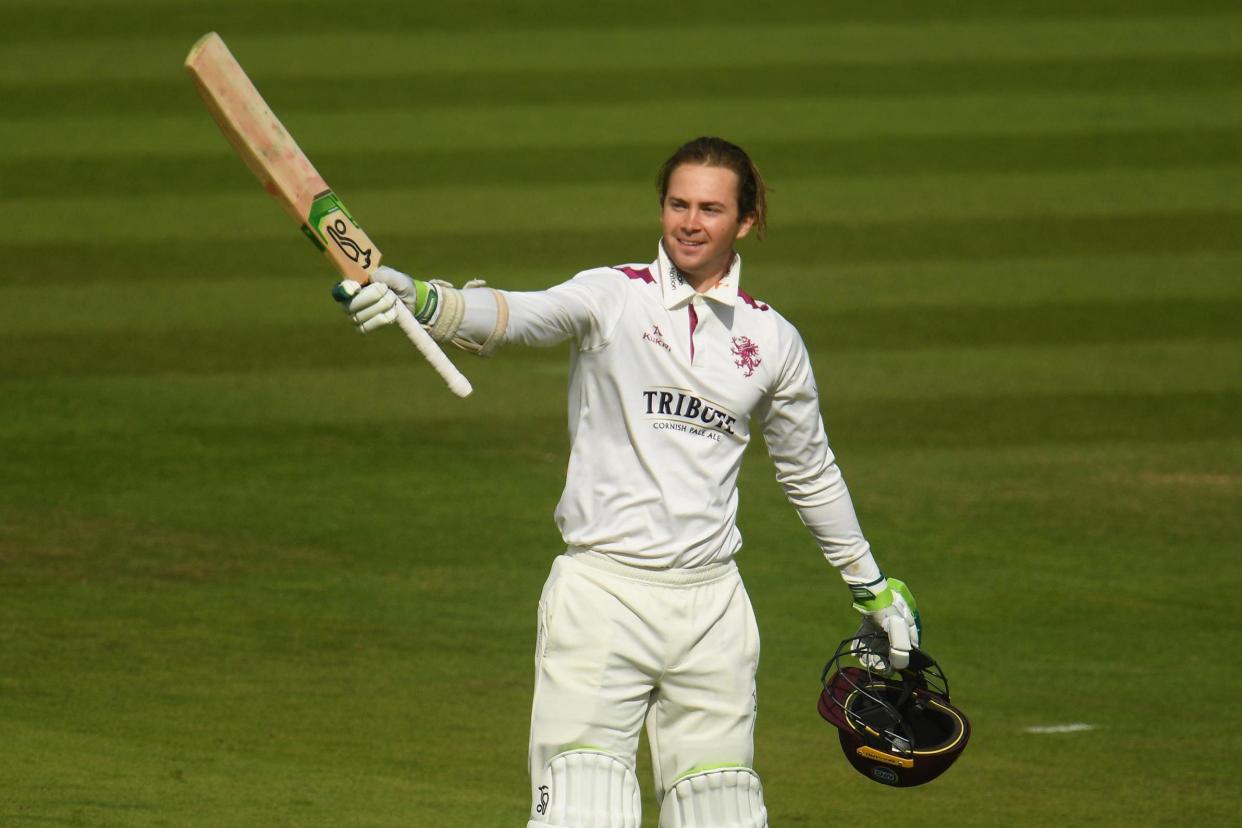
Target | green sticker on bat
(328,219)
(314,239)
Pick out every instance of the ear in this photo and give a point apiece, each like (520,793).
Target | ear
(744,225)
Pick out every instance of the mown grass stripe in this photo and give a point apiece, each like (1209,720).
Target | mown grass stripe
(756,43)
(522,128)
(1052,323)
(59,20)
(154,304)
(32,355)
(1086,421)
(832,79)
(996,417)
(1013,420)
(215,172)
(346,390)
(807,207)
(984,369)
(828,244)
(825,203)
(1027,282)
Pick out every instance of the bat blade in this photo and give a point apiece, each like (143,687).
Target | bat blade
(270,152)
(267,148)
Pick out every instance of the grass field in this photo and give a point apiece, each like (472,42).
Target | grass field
(257,570)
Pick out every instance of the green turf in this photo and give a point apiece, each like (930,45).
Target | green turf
(256,570)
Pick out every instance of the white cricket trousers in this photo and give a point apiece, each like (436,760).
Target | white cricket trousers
(618,646)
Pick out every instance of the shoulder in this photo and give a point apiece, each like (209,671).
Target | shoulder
(789,360)
(615,276)
(639,274)
(604,292)
(760,313)
(613,286)
(751,302)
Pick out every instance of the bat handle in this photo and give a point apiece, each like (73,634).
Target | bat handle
(457,383)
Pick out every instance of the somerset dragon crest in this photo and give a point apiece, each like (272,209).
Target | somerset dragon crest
(747,355)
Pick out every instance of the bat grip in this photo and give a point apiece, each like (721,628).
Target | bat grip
(457,383)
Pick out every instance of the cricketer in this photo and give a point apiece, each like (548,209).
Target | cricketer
(644,619)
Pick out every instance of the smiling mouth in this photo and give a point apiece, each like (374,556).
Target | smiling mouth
(688,243)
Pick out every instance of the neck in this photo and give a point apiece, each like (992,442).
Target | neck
(701,283)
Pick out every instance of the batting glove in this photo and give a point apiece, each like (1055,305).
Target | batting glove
(893,612)
(373,306)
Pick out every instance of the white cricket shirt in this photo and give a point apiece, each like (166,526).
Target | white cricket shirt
(664,385)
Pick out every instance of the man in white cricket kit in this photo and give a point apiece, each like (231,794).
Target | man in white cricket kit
(644,618)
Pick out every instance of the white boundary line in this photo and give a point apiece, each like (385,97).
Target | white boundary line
(1073,727)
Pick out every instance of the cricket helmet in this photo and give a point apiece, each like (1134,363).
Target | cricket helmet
(897,729)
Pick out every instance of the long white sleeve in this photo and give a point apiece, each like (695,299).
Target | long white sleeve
(807,469)
(584,309)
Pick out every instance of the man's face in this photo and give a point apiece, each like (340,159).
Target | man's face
(700,221)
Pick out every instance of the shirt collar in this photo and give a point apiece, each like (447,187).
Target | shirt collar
(677,291)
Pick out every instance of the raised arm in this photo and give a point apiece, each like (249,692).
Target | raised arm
(480,319)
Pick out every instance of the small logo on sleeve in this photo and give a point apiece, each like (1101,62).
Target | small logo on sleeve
(746,355)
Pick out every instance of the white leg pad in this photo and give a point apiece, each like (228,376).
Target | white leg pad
(719,798)
(587,789)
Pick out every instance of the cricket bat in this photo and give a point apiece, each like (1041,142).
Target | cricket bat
(288,176)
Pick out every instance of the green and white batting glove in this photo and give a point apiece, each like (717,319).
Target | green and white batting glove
(892,611)
(373,306)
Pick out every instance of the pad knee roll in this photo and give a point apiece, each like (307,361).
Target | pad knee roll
(586,789)
(718,798)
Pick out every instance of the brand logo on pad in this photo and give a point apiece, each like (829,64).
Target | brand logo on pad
(656,336)
(747,354)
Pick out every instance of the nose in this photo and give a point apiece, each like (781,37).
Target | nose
(690,221)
